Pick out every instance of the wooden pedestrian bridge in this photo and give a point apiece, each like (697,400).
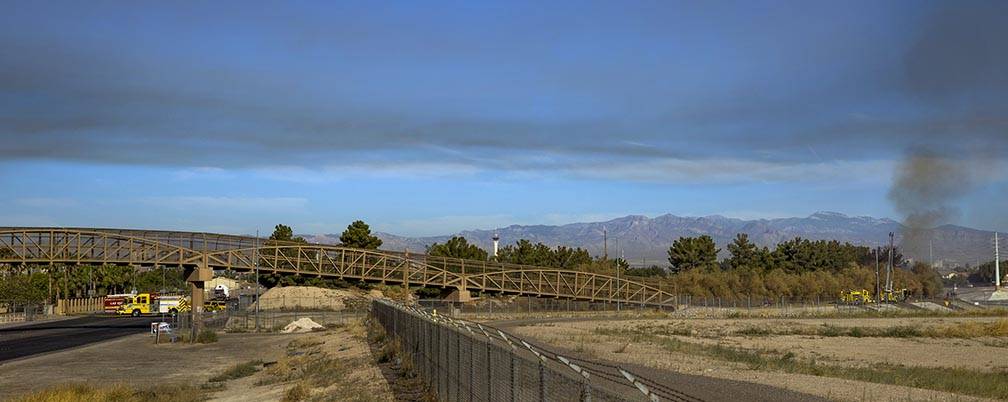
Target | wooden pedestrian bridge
(199,254)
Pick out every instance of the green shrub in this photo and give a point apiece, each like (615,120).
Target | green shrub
(206,336)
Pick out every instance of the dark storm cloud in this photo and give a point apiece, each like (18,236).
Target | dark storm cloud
(960,52)
(62,100)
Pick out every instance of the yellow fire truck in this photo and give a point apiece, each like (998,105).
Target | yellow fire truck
(147,303)
(862,296)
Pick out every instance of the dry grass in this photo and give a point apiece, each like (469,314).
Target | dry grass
(317,376)
(299,392)
(964,330)
(238,371)
(997,328)
(115,393)
(954,380)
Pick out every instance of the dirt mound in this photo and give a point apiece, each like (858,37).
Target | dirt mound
(302,325)
(306,298)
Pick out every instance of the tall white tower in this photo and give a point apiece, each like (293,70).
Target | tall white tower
(496,238)
(997,264)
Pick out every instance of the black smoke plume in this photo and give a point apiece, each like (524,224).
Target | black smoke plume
(926,187)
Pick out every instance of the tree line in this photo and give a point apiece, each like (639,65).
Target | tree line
(794,269)
(41,283)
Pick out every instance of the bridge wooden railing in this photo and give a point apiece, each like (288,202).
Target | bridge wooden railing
(224,252)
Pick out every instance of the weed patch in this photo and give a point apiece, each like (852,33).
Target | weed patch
(115,393)
(238,371)
(206,336)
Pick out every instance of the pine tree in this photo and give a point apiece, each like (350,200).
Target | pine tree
(358,235)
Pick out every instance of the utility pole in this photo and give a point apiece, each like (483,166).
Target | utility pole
(605,244)
(931,252)
(889,270)
(618,271)
(255,260)
(878,288)
(997,264)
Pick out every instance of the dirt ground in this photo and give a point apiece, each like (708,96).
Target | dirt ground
(306,297)
(136,361)
(981,354)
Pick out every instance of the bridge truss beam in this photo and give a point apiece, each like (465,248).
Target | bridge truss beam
(138,248)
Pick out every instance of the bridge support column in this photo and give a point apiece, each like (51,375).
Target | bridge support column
(460,296)
(197,276)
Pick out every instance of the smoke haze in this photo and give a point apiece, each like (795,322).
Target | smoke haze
(926,188)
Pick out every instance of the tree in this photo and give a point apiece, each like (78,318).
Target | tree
(570,258)
(653,270)
(985,272)
(457,247)
(526,253)
(358,235)
(688,253)
(743,253)
(285,233)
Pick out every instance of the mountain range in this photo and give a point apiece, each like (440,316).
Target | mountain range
(643,240)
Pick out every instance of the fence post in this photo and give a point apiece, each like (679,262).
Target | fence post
(511,375)
(542,381)
(489,371)
(458,365)
(472,370)
(585,387)
(438,366)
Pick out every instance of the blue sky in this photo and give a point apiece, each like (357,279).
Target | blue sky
(429,118)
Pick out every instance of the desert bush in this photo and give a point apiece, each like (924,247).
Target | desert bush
(298,392)
(206,336)
(238,371)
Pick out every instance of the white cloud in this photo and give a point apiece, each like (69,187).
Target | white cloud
(441,225)
(721,171)
(227,203)
(539,167)
(390,169)
(203,173)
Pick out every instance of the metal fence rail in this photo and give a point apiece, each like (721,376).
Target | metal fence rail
(464,361)
(20,311)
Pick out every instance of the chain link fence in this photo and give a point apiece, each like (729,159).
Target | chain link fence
(464,361)
(12,311)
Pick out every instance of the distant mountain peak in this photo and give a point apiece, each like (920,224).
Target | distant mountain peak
(828,214)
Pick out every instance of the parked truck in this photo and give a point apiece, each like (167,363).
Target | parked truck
(856,297)
(152,303)
(112,302)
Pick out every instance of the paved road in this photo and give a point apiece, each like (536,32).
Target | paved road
(27,340)
(691,387)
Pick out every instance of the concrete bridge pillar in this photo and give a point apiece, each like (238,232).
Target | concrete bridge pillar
(197,276)
(460,295)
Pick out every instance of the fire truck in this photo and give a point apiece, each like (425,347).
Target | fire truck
(152,303)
